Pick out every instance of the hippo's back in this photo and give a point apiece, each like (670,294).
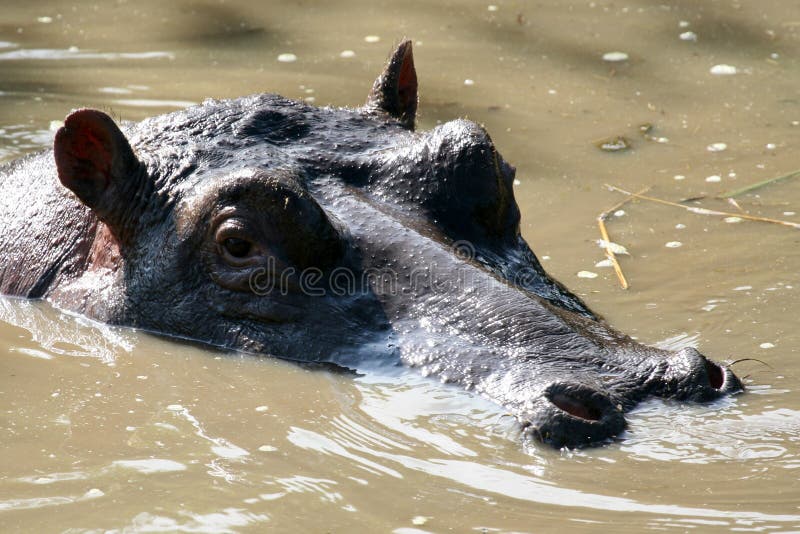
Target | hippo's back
(45,233)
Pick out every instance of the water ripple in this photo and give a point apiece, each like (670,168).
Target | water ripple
(54,54)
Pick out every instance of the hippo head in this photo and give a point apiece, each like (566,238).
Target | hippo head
(342,235)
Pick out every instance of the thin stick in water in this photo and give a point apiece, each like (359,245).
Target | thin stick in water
(601,222)
(758,185)
(704,211)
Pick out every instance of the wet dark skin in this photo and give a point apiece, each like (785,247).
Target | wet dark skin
(270,226)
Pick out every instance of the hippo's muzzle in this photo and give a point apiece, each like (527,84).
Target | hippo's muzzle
(583,411)
(688,375)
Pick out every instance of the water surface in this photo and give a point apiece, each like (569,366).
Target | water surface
(111,429)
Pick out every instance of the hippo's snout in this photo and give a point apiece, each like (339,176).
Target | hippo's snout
(573,415)
(691,376)
(582,412)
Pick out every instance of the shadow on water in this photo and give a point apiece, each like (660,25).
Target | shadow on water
(219,25)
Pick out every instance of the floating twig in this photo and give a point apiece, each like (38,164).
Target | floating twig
(732,202)
(758,185)
(704,211)
(601,222)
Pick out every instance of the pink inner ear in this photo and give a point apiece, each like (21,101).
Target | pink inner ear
(83,152)
(407,80)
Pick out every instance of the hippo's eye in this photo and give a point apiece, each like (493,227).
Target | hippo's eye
(238,248)
(234,244)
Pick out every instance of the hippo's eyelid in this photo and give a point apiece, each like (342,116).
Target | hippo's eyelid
(231,229)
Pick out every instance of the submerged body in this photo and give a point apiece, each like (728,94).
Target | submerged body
(327,235)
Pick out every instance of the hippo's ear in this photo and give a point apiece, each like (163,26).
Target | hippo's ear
(395,90)
(96,162)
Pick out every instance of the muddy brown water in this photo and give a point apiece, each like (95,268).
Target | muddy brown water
(108,429)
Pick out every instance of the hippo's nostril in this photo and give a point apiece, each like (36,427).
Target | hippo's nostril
(692,376)
(582,408)
(575,414)
(716,376)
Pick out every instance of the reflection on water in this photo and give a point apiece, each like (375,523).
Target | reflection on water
(62,333)
(175,418)
(74,53)
(19,139)
(108,429)
(674,433)
(153,103)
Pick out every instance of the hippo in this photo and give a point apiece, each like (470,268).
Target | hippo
(328,235)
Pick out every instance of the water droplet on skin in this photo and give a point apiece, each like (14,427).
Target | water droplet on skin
(491,8)
(680,226)
(717,147)
(287,58)
(714,178)
(673,244)
(469,82)
(586,274)
(679,177)
(733,220)
(766,345)
(347,54)
(619,213)
(688,36)
(770,146)
(372,38)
